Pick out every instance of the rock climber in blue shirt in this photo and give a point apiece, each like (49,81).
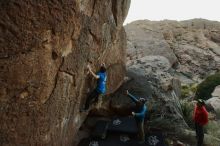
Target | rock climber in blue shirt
(100,89)
(139,115)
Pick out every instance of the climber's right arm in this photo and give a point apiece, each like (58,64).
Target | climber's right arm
(133,98)
(93,74)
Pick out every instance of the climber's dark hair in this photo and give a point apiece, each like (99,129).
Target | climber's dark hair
(201,102)
(102,69)
(143,100)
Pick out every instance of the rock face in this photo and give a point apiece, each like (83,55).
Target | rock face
(214,102)
(45,47)
(216,92)
(192,47)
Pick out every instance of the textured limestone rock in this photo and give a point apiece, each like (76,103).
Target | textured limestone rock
(153,66)
(192,46)
(45,47)
(214,102)
(144,40)
(216,92)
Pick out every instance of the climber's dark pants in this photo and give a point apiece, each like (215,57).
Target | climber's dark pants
(141,134)
(93,97)
(199,134)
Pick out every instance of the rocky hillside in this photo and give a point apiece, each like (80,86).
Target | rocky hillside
(192,47)
(45,47)
(166,54)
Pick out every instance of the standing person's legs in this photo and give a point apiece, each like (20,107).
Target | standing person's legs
(199,134)
(93,95)
(196,128)
(141,133)
(99,101)
(97,96)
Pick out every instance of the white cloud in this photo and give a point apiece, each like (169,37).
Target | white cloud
(173,9)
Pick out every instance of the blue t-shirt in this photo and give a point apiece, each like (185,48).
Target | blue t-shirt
(101,83)
(140,115)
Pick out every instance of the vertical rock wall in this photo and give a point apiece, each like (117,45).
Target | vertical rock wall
(44,49)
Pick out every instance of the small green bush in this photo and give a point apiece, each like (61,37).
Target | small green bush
(188,90)
(187,109)
(185,92)
(193,88)
(205,89)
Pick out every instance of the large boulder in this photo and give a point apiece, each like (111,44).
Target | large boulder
(162,95)
(214,102)
(144,40)
(216,92)
(45,47)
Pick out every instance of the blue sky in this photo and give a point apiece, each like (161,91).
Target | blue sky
(173,9)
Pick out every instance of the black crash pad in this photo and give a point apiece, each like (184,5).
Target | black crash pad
(123,125)
(100,130)
(111,140)
(154,139)
(106,142)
